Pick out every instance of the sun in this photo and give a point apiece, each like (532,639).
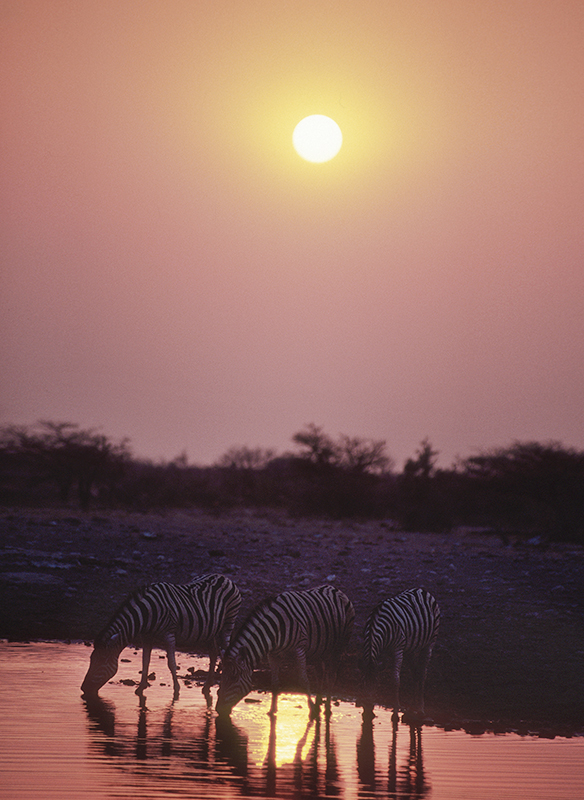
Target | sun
(317,138)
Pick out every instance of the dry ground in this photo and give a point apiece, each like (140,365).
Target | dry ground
(511,649)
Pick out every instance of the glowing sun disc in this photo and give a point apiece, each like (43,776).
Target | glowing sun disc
(317,138)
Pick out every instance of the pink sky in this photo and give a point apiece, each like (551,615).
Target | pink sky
(173,272)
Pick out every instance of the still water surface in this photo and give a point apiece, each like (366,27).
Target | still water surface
(54,745)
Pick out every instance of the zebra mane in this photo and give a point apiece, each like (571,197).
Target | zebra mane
(111,625)
(240,644)
(195,580)
(245,642)
(258,608)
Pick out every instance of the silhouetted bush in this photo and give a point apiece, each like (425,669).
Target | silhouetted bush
(305,488)
(529,487)
(350,452)
(37,460)
(148,486)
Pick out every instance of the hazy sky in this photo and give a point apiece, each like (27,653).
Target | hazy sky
(172,271)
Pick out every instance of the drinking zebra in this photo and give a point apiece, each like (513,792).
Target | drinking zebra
(195,616)
(312,625)
(403,625)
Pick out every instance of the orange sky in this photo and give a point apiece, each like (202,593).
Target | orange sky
(173,272)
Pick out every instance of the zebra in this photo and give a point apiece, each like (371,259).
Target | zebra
(406,624)
(198,615)
(311,625)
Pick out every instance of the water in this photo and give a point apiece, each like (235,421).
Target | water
(54,745)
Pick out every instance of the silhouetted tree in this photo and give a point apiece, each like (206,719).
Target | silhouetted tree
(64,453)
(423,466)
(318,447)
(421,504)
(338,478)
(363,455)
(246,458)
(532,485)
(243,474)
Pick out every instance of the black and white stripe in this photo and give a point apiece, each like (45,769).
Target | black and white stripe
(404,625)
(197,616)
(312,626)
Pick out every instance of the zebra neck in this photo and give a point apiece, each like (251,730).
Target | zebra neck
(255,641)
(121,632)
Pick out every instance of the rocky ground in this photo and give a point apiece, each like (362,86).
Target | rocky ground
(511,649)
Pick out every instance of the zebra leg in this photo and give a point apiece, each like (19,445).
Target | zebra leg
(146,652)
(274,663)
(420,669)
(211,674)
(274,704)
(398,658)
(171,659)
(368,688)
(328,671)
(300,653)
(328,677)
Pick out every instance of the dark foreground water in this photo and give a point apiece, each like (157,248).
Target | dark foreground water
(54,745)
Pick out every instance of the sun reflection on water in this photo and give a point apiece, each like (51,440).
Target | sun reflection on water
(288,734)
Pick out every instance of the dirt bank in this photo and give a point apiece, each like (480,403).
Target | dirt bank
(511,648)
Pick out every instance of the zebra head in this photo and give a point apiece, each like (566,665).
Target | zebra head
(236,682)
(103,664)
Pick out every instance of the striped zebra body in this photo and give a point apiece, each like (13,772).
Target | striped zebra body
(404,625)
(196,616)
(312,626)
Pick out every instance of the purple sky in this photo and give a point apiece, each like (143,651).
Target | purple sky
(172,271)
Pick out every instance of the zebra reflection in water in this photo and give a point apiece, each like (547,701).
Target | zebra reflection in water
(201,739)
(310,776)
(206,749)
(407,780)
